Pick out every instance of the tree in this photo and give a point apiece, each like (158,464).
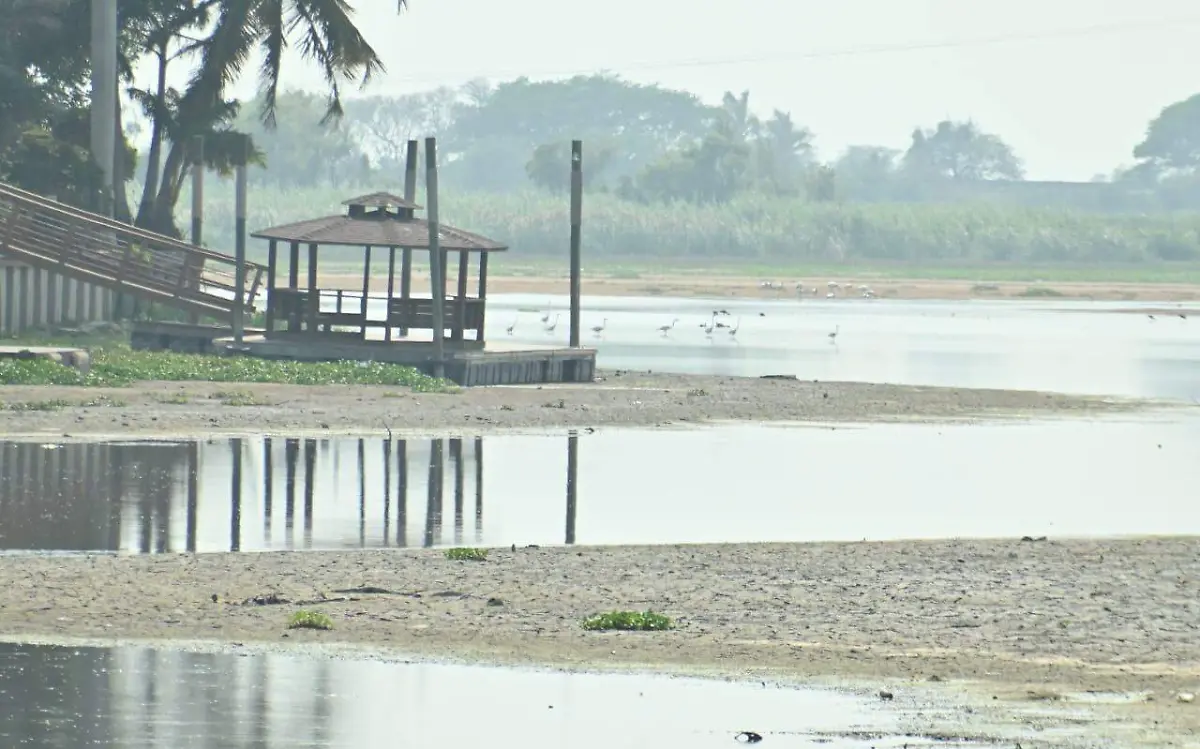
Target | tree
(1172,142)
(550,166)
(302,149)
(385,124)
(867,172)
(960,151)
(785,154)
(44,138)
(222,34)
(492,140)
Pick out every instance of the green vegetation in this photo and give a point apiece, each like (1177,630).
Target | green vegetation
(237,398)
(773,232)
(58,404)
(629,621)
(467,554)
(304,619)
(116,365)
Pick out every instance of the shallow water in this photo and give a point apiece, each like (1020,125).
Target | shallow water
(138,698)
(1007,345)
(728,483)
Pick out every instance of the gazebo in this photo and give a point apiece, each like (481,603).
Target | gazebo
(379,220)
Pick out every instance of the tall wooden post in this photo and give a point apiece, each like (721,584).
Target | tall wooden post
(193,284)
(436,261)
(576,230)
(272,266)
(239,247)
(391,288)
(410,194)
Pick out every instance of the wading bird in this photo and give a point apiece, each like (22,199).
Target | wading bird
(833,336)
(550,328)
(664,329)
(598,329)
(512,327)
(733,331)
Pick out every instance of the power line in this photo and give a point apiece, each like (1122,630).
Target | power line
(1084,31)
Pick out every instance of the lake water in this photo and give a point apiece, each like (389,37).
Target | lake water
(725,483)
(139,698)
(1009,344)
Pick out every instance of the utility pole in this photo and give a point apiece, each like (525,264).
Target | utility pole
(104,97)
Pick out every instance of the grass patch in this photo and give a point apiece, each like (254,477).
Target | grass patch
(467,554)
(56,404)
(237,398)
(628,621)
(175,399)
(1036,292)
(304,619)
(116,365)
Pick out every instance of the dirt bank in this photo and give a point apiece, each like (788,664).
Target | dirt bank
(735,286)
(621,398)
(1021,622)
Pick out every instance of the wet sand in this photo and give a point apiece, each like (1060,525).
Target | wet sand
(736,286)
(1008,622)
(618,399)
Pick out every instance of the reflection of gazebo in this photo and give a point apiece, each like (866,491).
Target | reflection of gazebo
(376,220)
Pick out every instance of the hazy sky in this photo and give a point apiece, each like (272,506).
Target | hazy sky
(1071,84)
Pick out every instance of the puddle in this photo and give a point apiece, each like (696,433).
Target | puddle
(732,483)
(163,699)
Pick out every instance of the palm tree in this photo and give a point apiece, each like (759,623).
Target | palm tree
(323,31)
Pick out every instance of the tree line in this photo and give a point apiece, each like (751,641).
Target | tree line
(646,145)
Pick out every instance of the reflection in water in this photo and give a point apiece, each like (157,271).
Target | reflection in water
(131,496)
(152,699)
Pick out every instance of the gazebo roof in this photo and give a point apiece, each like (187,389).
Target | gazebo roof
(370,222)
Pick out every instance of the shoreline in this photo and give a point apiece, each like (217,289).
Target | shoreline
(737,286)
(1022,624)
(621,399)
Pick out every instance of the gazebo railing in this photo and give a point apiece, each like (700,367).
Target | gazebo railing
(336,308)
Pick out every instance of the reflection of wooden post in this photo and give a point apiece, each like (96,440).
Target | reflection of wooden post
(362,493)
(433,498)
(387,490)
(291,456)
(235,520)
(310,487)
(437,262)
(572,473)
(576,226)
(479,490)
(268,488)
(193,494)
(456,452)
(401,493)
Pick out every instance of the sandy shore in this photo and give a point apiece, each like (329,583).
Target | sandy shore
(620,399)
(746,287)
(1005,620)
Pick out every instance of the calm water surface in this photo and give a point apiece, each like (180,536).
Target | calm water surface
(730,483)
(136,698)
(1013,345)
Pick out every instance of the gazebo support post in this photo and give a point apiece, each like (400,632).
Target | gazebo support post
(366,289)
(391,287)
(437,259)
(272,264)
(405,287)
(483,260)
(460,312)
(410,194)
(293,321)
(314,301)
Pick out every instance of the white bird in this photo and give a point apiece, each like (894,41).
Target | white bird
(664,329)
(833,336)
(550,328)
(733,331)
(512,327)
(598,329)
(708,327)
(546,316)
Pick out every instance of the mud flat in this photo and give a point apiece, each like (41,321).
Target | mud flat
(1021,623)
(620,398)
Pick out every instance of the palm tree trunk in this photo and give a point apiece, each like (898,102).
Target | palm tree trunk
(153,159)
(162,212)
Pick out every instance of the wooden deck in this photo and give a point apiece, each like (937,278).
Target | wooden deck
(71,357)
(468,365)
